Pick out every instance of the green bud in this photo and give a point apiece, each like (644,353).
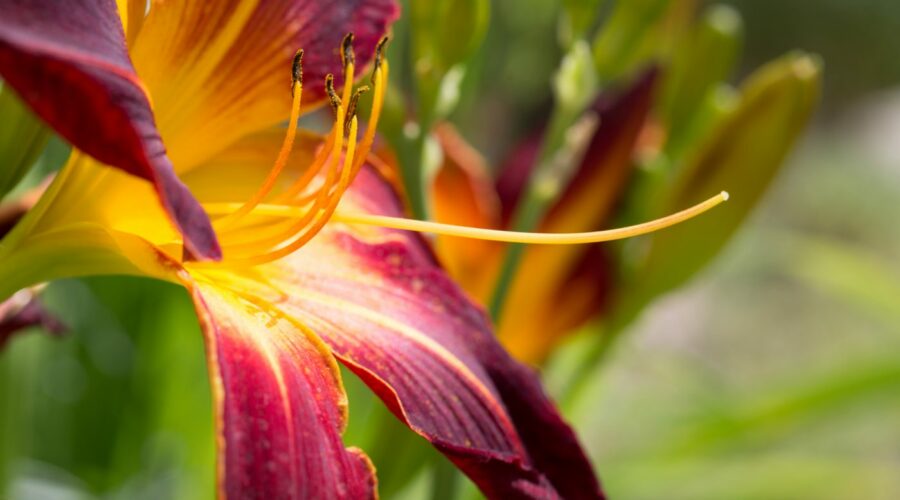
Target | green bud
(705,58)
(575,81)
(626,38)
(22,139)
(742,156)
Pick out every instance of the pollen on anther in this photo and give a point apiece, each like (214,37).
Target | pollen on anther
(347,54)
(297,71)
(352,106)
(332,95)
(379,56)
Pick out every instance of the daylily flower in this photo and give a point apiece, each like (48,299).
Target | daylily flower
(304,263)
(287,295)
(561,287)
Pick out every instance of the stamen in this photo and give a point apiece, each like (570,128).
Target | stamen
(318,162)
(379,79)
(321,218)
(286,147)
(379,56)
(307,215)
(348,62)
(493,234)
(347,55)
(332,95)
(297,71)
(379,83)
(351,107)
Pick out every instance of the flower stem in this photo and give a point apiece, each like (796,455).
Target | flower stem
(413,178)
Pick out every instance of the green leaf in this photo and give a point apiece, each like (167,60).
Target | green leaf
(741,156)
(22,138)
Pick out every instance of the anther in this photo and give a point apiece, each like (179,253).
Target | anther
(352,106)
(379,56)
(297,70)
(347,55)
(332,95)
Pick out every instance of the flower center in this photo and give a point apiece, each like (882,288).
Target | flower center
(293,217)
(314,195)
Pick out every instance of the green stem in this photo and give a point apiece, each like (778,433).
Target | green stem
(413,180)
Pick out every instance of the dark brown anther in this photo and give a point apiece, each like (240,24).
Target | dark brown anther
(332,95)
(379,56)
(352,106)
(297,70)
(347,54)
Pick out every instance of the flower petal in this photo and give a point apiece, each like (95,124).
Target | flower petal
(463,194)
(280,405)
(71,66)
(219,70)
(388,312)
(561,287)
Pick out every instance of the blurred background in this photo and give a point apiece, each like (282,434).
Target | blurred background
(773,374)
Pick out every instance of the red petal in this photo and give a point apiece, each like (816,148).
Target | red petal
(391,315)
(463,194)
(622,115)
(70,64)
(608,160)
(280,406)
(558,289)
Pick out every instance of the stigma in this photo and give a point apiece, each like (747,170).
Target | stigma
(271,225)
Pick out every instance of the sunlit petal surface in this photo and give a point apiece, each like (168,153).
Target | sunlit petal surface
(72,67)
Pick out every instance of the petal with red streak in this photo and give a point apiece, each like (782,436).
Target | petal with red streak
(220,70)
(280,405)
(463,194)
(70,64)
(378,299)
(387,311)
(562,287)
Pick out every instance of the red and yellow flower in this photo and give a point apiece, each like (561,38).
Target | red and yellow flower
(293,267)
(174,120)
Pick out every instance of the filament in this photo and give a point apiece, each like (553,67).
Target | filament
(283,155)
